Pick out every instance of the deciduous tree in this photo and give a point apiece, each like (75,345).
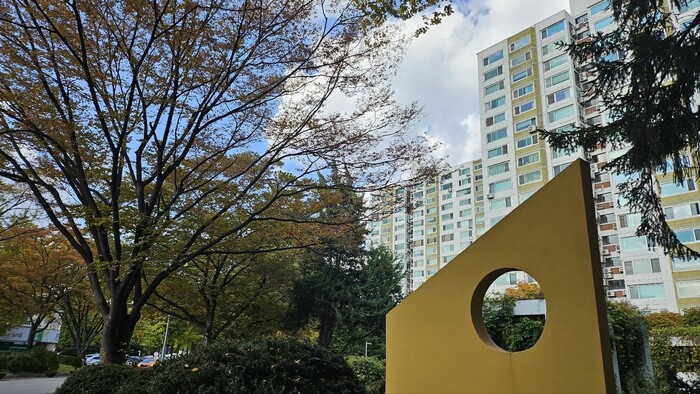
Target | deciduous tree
(122,117)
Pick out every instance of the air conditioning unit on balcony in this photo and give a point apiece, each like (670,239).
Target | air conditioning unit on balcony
(606,252)
(489,196)
(611,293)
(532,129)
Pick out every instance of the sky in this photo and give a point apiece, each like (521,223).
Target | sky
(439,69)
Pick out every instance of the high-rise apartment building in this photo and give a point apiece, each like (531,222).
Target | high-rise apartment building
(528,82)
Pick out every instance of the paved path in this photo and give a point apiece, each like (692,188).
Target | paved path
(41,385)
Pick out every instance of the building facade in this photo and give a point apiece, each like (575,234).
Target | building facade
(528,82)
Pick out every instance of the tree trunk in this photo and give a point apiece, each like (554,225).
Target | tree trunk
(325,330)
(33,326)
(116,336)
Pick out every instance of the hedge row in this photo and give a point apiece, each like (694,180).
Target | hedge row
(36,360)
(267,366)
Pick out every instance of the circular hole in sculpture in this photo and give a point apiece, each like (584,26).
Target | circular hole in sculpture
(514,311)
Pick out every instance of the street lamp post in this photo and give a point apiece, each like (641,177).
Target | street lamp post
(165,338)
(367,344)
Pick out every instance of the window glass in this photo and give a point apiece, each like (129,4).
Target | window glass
(524,107)
(558,96)
(501,203)
(553,29)
(493,73)
(499,168)
(634,243)
(494,88)
(525,124)
(557,79)
(520,59)
(530,177)
(653,290)
(495,187)
(495,103)
(603,23)
(556,62)
(527,89)
(600,7)
(550,48)
(561,113)
(528,159)
(496,135)
(519,43)
(683,265)
(689,5)
(498,118)
(527,141)
(495,152)
(494,57)
(688,289)
(671,188)
(521,74)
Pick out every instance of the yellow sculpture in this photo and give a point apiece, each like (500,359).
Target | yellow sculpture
(436,339)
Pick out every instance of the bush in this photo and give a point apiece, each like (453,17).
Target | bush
(4,361)
(267,366)
(74,361)
(26,362)
(371,371)
(51,362)
(97,379)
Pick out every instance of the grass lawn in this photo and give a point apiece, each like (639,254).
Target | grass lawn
(65,369)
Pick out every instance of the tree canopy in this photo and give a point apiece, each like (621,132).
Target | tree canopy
(151,131)
(647,76)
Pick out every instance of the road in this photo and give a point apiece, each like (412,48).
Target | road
(40,385)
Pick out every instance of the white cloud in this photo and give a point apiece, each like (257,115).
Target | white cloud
(439,70)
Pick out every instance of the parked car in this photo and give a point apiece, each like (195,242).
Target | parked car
(133,361)
(147,362)
(92,359)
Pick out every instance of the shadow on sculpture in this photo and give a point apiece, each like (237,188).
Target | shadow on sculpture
(436,338)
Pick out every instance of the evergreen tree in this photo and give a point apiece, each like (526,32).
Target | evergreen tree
(647,79)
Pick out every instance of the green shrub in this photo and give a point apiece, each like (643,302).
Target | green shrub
(371,371)
(51,362)
(267,366)
(74,361)
(97,379)
(26,362)
(4,361)
(139,381)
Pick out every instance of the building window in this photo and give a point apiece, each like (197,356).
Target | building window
(599,7)
(464,192)
(447,206)
(493,88)
(557,79)
(520,59)
(494,57)
(446,186)
(500,186)
(448,237)
(527,141)
(630,220)
(528,159)
(493,73)
(561,113)
(555,62)
(462,203)
(450,226)
(609,239)
(529,177)
(499,168)
(682,211)
(653,290)
(525,90)
(521,75)
(603,23)
(464,171)
(447,216)
(642,266)
(496,135)
(524,107)
(563,152)
(549,48)
(689,6)
(688,289)
(688,236)
(558,169)
(495,152)
(634,243)
(525,124)
(553,30)
(495,103)
(685,265)
(558,96)
(671,188)
(498,118)
(501,203)
(519,43)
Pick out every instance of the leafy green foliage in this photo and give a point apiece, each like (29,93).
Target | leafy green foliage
(74,361)
(371,371)
(4,362)
(36,360)
(268,366)
(647,80)
(675,350)
(522,334)
(96,379)
(51,362)
(628,335)
(664,319)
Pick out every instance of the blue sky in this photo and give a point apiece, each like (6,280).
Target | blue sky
(439,70)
